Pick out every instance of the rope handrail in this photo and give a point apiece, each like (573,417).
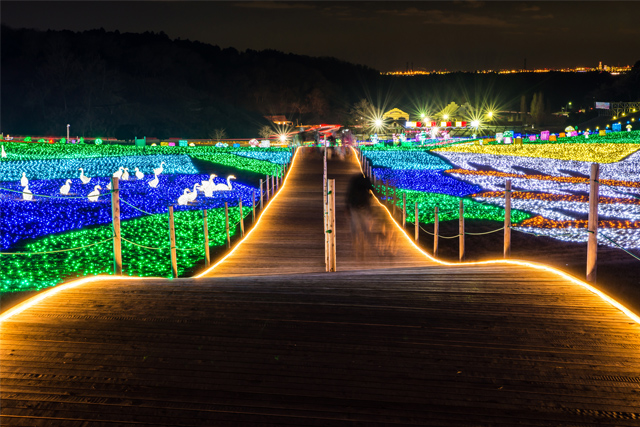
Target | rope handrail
(483,233)
(134,207)
(57,251)
(618,245)
(55,197)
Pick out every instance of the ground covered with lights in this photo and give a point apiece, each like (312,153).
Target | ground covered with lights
(550,195)
(57,236)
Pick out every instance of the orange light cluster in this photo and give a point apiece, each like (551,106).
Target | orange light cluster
(526,195)
(541,222)
(610,182)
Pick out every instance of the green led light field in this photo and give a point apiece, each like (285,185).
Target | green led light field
(35,272)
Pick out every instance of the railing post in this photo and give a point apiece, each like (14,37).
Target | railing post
(507,219)
(261,195)
(273,185)
(332,224)
(226,224)
(386,192)
(436,231)
(268,196)
(253,207)
(115,220)
(207,255)
(395,197)
(241,217)
(417,223)
(592,242)
(404,210)
(461,230)
(172,244)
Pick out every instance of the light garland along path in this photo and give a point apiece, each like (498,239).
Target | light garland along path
(495,343)
(289,237)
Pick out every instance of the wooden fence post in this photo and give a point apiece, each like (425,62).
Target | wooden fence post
(404,210)
(436,231)
(172,244)
(115,220)
(273,185)
(332,225)
(241,217)
(461,230)
(395,198)
(592,242)
(417,223)
(268,196)
(253,207)
(507,219)
(207,255)
(226,224)
(261,196)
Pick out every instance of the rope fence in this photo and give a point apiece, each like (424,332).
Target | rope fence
(389,194)
(273,184)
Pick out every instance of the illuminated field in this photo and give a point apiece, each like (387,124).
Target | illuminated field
(51,224)
(600,153)
(550,183)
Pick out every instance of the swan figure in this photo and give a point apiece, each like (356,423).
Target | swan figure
(207,183)
(24,181)
(83,178)
(119,172)
(208,191)
(139,174)
(125,174)
(4,153)
(109,186)
(184,199)
(93,196)
(27,194)
(66,187)
(224,187)
(154,182)
(194,193)
(158,171)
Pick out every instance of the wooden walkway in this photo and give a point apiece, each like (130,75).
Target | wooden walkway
(416,345)
(290,237)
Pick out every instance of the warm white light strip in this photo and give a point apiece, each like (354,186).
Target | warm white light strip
(530,264)
(63,287)
(208,270)
(70,285)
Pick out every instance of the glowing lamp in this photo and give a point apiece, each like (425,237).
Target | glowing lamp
(475,123)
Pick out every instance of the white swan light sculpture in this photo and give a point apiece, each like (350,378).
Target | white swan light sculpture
(24,181)
(4,153)
(224,187)
(66,187)
(125,175)
(154,182)
(139,174)
(207,183)
(119,172)
(93,196)
(184,199)
(83,178)
(194,193)
(158,171)
(27,194)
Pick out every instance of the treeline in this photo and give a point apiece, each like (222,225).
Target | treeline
(124,85)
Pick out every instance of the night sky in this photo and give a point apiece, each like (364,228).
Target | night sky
(452,35)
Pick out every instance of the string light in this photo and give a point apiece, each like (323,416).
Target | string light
(600,153)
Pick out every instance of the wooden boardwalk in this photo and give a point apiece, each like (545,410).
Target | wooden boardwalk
(290,238)
(422,344)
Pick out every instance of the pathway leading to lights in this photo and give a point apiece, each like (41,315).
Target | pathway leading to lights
(410,342)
